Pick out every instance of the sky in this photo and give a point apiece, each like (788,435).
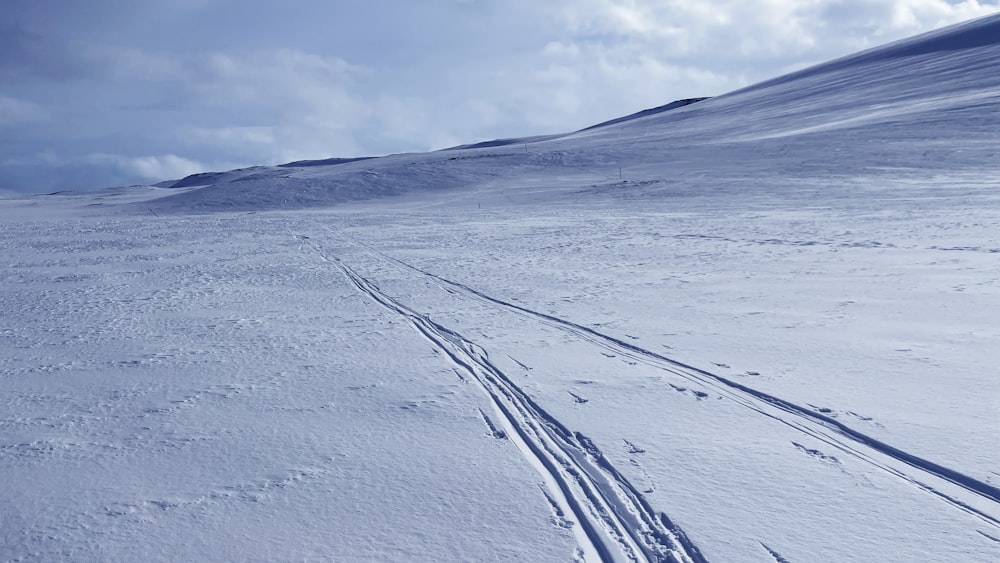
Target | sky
(117,92)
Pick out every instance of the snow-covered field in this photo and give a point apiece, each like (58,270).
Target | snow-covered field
(762,327)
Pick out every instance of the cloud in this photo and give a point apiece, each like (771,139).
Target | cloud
(617,56)
(24,53)
(151,168)
(14,111)
(237,104)
(258,107)
(918,15)
(259,135)
(724,35)
(95,170)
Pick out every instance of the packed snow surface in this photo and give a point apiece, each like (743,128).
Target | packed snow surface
(761,328)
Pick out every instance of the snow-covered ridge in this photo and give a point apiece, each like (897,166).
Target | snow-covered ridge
(647,112)
(944,85)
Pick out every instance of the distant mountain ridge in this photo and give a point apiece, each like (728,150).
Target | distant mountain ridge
(209,178)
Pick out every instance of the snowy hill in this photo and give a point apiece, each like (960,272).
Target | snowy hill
(760,327)
(940,91)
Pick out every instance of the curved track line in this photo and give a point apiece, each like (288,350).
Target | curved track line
(615,522)
(824,428)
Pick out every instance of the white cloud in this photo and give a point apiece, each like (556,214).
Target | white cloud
(49,170)
(616,56)
(919,15)
(152,168)
(248,135)
(752,32)
(161,167)
(15,111)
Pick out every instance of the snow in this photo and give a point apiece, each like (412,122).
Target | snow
(760,327)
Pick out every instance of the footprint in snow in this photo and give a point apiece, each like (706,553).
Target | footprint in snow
(632,448)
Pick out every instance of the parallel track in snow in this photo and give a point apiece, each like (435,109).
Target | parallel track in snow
(962,491)
(612,520)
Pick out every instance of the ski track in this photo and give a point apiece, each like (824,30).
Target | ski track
(615,522)
(964,492)
(777,556)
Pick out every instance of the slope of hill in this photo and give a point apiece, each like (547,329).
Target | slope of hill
(924,103)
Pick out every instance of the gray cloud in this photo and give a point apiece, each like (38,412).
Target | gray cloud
(28,55)
(18,112)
